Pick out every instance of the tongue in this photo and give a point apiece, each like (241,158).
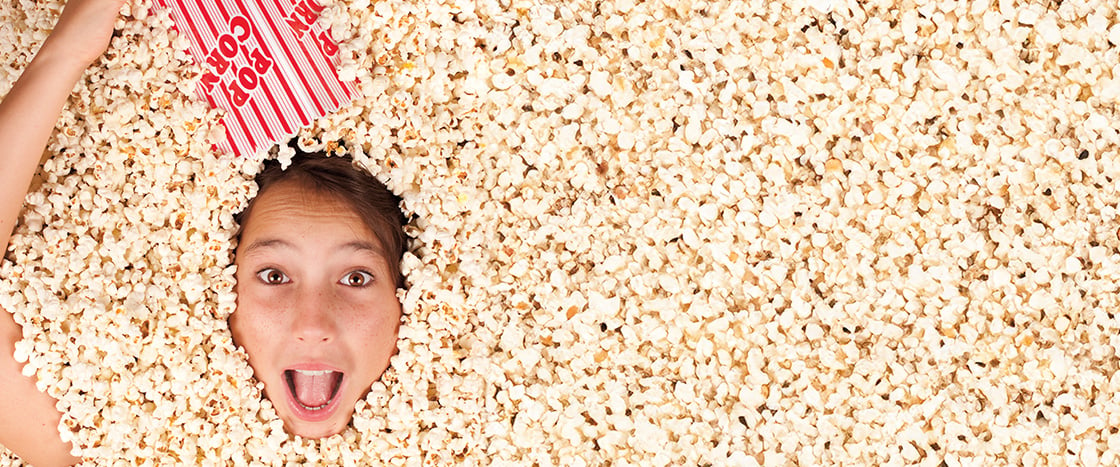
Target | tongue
(313,390)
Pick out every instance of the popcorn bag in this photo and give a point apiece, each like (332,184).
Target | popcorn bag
(267,64)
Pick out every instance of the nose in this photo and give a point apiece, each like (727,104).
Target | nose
(312,320)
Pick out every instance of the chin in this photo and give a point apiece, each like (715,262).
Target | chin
(314,430)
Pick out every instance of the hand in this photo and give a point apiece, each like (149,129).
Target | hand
(84,29)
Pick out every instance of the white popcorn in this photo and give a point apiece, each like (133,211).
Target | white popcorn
(599,84)
(635,239)
(1048,30)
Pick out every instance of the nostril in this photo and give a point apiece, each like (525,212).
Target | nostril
(305,337)
(311,327)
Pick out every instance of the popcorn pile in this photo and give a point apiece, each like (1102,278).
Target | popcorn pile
(658,233)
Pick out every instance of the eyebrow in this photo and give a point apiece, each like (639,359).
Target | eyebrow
(266,244)
(359,245)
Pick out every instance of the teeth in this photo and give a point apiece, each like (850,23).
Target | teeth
(311,408)
(290,374)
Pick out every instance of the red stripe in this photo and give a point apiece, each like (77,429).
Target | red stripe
(321,61)
(232,109)
(318,73)
(337,85)
(283,82)
(288,53)
(283,120)
(191,15)
(334,102)
(198,47)
(221,10)
(330,65)
(185,14)
(260,121)
(259,126)
(316,89)
(346,88)
(317,65)
(266,89)
(194,36)
(209,23)
(227,146)
(272,101)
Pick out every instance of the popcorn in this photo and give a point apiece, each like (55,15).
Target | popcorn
(855,236)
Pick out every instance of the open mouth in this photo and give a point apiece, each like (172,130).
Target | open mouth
(313,390)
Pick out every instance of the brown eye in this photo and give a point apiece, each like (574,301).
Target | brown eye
(272,276)
(357,279)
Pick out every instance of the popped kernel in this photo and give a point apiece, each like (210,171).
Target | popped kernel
(635,238)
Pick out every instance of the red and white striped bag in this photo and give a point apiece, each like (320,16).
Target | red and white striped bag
(268,65)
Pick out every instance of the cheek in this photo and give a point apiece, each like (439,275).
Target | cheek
(377,334)
(381,314)
(237,320)
(366,329)
(248,322)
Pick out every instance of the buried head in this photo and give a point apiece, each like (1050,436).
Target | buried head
(317,274)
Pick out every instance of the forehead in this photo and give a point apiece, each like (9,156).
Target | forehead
(289,209)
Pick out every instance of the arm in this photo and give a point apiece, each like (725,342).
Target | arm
(29,112)
(28,418)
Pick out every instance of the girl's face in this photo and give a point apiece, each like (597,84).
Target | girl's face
(317,310)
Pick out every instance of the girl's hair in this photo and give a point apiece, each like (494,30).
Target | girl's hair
(340,178)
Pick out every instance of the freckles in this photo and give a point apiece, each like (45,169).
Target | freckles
(383,326)
(372,329)
(252,324)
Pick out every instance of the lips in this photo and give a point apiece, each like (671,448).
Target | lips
(313,392)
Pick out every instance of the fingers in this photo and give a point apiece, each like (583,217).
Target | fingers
(85,28)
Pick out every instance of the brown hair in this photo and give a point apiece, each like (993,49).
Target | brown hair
(340,178)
